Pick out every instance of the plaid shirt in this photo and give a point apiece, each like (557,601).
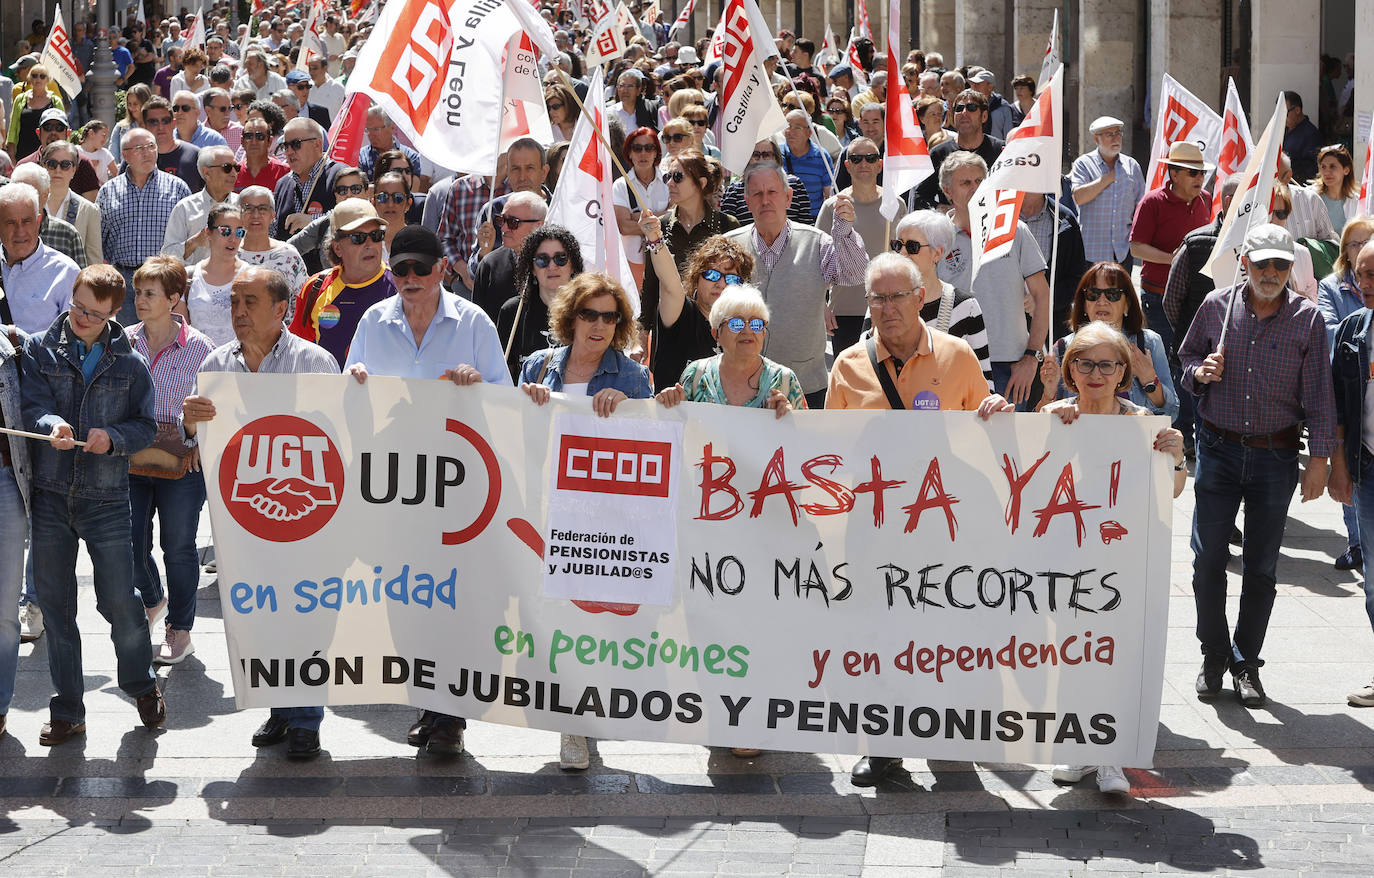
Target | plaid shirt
(458,217)
(134,219)
(843,257)
(174,368)
(1106,220)
(63,237)
(1277,371)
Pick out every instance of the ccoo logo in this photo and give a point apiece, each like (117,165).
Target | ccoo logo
(281,478)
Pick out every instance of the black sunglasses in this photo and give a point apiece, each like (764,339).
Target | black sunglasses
(376,236)
(390,198)
(54,164)
(591,316)
(674,176)
(871,158)
(542,260)
(256,135)
(1113,294)
(965,108)
(912,247)
(513,222)
(228,167)
(1275,262)
(643,147)
(54,126)
(403,269)
(347,188)
(183,108)
(296,144)
(676,138)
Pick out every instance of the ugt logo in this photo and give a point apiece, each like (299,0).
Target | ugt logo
(281,478)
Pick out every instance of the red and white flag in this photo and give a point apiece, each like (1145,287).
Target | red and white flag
(1052,59)
(437,72)
(1236,144)
(1253,199)
(651,14)
(907,162)
(1029,163)
(582,199)
(749,110)
(525,114)
(829,55)
(348,129)
(58,57)
(194,35)
(856,67)
(861,19)
(312,42)
(683,17)
(608,37)
(1366,190)
(1181,116)
(763,38)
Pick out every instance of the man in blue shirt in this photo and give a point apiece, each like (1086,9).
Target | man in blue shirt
(1301,139)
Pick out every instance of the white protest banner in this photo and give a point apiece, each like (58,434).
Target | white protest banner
(58,56)
(908,159)
(582,199)
(749,109)
(1363,209)
(437,70)
(1181,116)
(1253,199)
(1052,60)
(1236,144)
(843,581)
(651,14)
(525,113)
(856,67)
(763,38)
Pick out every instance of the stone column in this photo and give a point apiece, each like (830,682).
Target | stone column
(1108,52)
(937,28)
(1364,77)
(980,36)
(1034,18)
(1285,53)
(1185,42)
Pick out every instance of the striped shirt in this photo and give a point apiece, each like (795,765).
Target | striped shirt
(134,218)
(1277,372)
(799,211)
(966,322)
(174,367)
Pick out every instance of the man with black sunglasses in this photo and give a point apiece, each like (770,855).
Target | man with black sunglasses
(52,127)
(1256,360)
(173,156)
(308,191)
(187,237)
(969,109)
(189,129)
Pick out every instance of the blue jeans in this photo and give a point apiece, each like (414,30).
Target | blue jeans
(177,504)
(1153,304)
(1228,473)
(58,522)
(1351,516)
(14,532)
(1001,376)
(1364,511)
(301,717)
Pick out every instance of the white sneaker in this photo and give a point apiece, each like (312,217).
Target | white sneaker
(1362,697)
(30,623)
(572,752)
(211,567)
(176,646)
(1111,779)
(155,612)
(1071,773)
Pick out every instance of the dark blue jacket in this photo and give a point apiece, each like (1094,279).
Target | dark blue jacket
(1349,372)
(118,399)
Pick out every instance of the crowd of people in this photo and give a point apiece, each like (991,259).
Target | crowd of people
(211,230)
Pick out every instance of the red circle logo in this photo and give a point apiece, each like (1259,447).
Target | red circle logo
(281,478)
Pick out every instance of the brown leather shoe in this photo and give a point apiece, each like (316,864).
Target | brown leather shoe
(446,738)
(151,709)
(60,731)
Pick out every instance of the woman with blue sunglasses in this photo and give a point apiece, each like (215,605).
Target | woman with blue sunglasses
(740,374)
(207,302)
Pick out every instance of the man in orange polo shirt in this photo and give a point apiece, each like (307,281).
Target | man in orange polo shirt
(925,369)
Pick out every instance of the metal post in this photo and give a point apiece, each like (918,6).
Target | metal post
(103,73)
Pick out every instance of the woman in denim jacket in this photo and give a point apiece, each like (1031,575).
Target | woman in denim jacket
(594,321)
(14,513)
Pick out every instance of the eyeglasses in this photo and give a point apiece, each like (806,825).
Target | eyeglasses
(347,189)
(911,247)
(255,208)
(390,198)
(375,236)
(160,121)
(871,158)
(714,274)
(587,315)
(554,105)
(677,138)
(227,231)
(183,108)
(643,147)
(674,176)
(54,164)
(237,107)
(700,123)
(737,324)
(37,76)
(421,269)
(129,147)
(1274,262)
(1113,294)
(227,167)
(256,135)
(965,108)
(57,127)
(542,260)
(91,315)
(402,169)
(878,300)
(513,222)
(1281,214)
(301,86)
(1108,368)
(761,155)
(218,108)
(294,145)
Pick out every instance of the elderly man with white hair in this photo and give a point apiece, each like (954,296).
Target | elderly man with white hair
(257,77)
(37,279)
(187,237)
(494,279)
(57,233)
(189,128)
(1107,186)
(308,191)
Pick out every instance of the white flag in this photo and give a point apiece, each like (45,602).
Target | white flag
(684,17)
(829,54)
(525,114)
(907,162)
(749,110)
(608,38)
(856,67)
(58,56)
(437,71)
(861,19)
(312,43)
(1363,209)
(1236,144)
(582,200)
(1181,116)
(651,14)
(194,35)
(763,38)
(1052,60)
(1251,204)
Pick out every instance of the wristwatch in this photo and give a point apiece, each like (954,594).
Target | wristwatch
(1033,352)
(1151,387)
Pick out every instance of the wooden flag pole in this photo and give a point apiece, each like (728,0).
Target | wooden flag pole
(629,178)
(39,436)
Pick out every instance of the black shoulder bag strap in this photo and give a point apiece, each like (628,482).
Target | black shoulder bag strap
(6,318)
(894,398)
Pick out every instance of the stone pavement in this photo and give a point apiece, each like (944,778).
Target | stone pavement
(1288,789)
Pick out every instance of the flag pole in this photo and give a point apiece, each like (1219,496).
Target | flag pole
(1054,262)
(629,178)
(27,435)
(811,138)
(515,326)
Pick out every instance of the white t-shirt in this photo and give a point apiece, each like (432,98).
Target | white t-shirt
(658,202)
(209,308)
(576,389)
(101,158)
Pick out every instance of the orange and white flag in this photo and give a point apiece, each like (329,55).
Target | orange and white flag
(907,162)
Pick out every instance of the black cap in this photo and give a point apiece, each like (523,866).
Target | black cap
(416,243)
